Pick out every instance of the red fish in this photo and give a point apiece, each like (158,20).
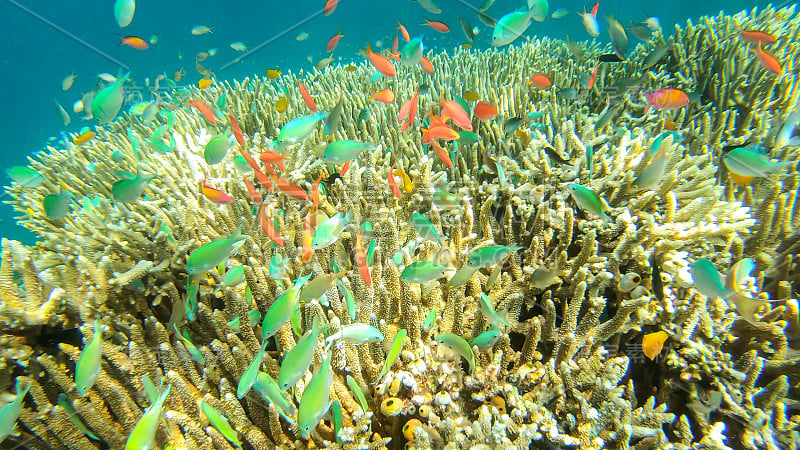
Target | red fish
(667,98)
(403,30)
(263,180)
(315,192)
(540,81)
(361,261)
(134,41)
(272,157)
(592,78)
(455,111)
(330,7)
(393,184)
(757,37)
(381,63)
(290,189)
(254,195)
(237,131)
(215,195)
(269,228)
(385,96)
(484,111)
(441,27)
(768,61)
(396,43)
(426,65)
(442,153)
(204,110)
(334,41)
(307,97)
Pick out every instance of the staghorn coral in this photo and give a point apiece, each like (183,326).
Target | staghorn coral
(569,371)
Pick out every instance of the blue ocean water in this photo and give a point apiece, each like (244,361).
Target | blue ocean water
(47,40)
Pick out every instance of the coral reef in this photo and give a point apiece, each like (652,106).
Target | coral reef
(569,369)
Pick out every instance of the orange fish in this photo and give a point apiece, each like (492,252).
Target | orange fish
(204,110)
(361,261)
(135,42)
(204,83)
(393,184)
(271,157)
(381,63)
(270,170)
(215,195)
(307,97)
(442,153)
(455,111)
(263,180)
(408,112)
(666,98)
(540,81)
(592,78)
(83,137)
(345,166)
(653,343)
(396,45)
(269,228)
(404,32)
(385,96)
(484,111)
(290,189)
(237,131)
(254,195)
(768,61)
(442,132)
(441,27)
(260,176)
(757,37)
(670,125)
(330,7)
(426,65)
(315,192)
(308,238)
(334,41)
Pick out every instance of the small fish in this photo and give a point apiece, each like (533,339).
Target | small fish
(209,256)
(298,359)
(299,129)
(768,61)
(107,103)
(154,38)
(590,23)
(608,115)
(510,27)
(253,318)
(358,392)
(486,340)
(123,12)
(653,173)
(427,324)
(281,309)
(425,228)
(381,63)
(467,29)
(403,31)
(542,278)
(540,81)
(757,37)
(426,65)
(609,57)
(238,46)
(216,149)
(273,73)
(484,111)
(398,343)
(486,19)
(268,388)
(495,318)
(667,99)
(641,31)
(328,231)
(144,433)
(302,36)
(560,13)
(315,401)
(538,9)
(655,55)
(486,5)
(134,42)
(88,367)
(588,201)
(430,6)
(333,42)
(707,281)
(330,7)
(446,201)
(655,277)
(219,422)
(619,39)
(422,272)
(216,196)
(653,23)
(384,96)
(201,29)
(282,104)
(131,188)
(491,254)
(194,352)
(66,403)
(66,83)
(553,154)
(25,176)
(441,27)
(747,163)
(204,110)
(653,343)
(309,101)
(411,54)
(462,275)
(357,333)
(11,411)
(56,206)
(458,345)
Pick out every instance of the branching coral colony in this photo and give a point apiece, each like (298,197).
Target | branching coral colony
(477,305)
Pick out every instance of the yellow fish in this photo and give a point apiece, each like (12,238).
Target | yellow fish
(83,137)
(350,68)
(408,185)
(282,104)
(204,83)
(653,343)
(273,73)
(466,45)
(471,96)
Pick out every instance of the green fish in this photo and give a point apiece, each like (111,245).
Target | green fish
(192,289)
(234,277)
(371,251)
(131,188)
(194,352)
(338,420)
(348,297)
(411,53)
(56,206)
(318,287)
(397,346)
(328,231)
(107,103)
(430,319)
(463,275)
(241,164)
(446,201)
(653,173)
(222,101)
(655,147)
(143,434)
(510,27)
(425,228)
(251,373)
(25,176)
(10,412)
(316,398)
(422,272)
(277,267)
(458,345)
(542,278)
(356,389)
(468,137)
(486,340)
(210,255)
(363,115)
(299,129)
(357,333)
(588,201)
(539,9)
(747,163)
(219,422)
(217,148)
(298,359)
(280,311)
(491,254)
(88,366)
(498,319)
(253,317)
(268,388)
(590,160)
(66,403)
(342,151)
(335,117)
